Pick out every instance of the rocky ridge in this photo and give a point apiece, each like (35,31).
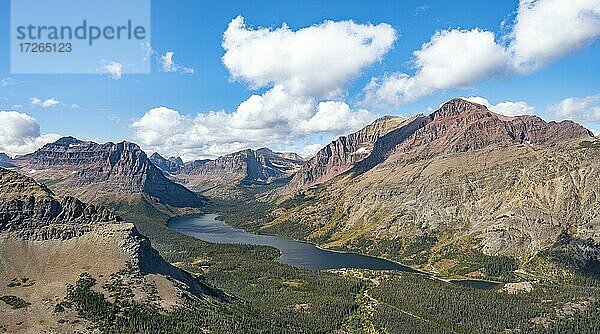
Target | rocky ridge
(344,152)
(106,172)
(247,167)
(460,182)
(457,126)
(32,212)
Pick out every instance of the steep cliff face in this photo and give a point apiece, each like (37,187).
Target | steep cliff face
(247,167)
(343,153)
(111,172)
(464,179)
(47,241)
(462,126)
(32,211)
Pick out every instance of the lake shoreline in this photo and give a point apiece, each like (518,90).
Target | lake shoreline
(299,253)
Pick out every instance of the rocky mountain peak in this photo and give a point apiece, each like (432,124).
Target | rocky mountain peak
(264,150)
(461,126)
(343,153)
(267,152)
(66,141)
(456,107)
(261,166)
(378,127)
(110,170)
(171,165)
(457,126)
(176,160)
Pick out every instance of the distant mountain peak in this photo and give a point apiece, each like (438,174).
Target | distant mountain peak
(385,118)
(176,160)
(171,165)
(264,150)
(66,141)
(457,106)
(247,167)
(110,170)
(5,161)
(343,153)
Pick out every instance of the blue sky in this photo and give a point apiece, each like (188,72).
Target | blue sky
(101,108)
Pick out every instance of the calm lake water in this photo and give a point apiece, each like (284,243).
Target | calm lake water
(295,253)
(300,254)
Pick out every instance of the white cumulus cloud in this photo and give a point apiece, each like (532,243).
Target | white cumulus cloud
(20,133)
(336,117)
(273,118)
(47,103)
(304,73)
(580,109)
(51,102)
(547,29)
(455,58)
(313,61)
(542,31)
(507,108)
(157,125)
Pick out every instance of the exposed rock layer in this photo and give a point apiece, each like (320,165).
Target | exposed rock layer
(341,154)
(247,167)
(31,211)
(103,171)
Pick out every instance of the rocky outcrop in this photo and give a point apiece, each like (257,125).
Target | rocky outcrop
(343,153)
(247,167)
(91,171)
(32,212)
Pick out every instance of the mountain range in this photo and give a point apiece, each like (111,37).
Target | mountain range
(444,190)
(117,175)
(438,191)
(461,192)
(219,177)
